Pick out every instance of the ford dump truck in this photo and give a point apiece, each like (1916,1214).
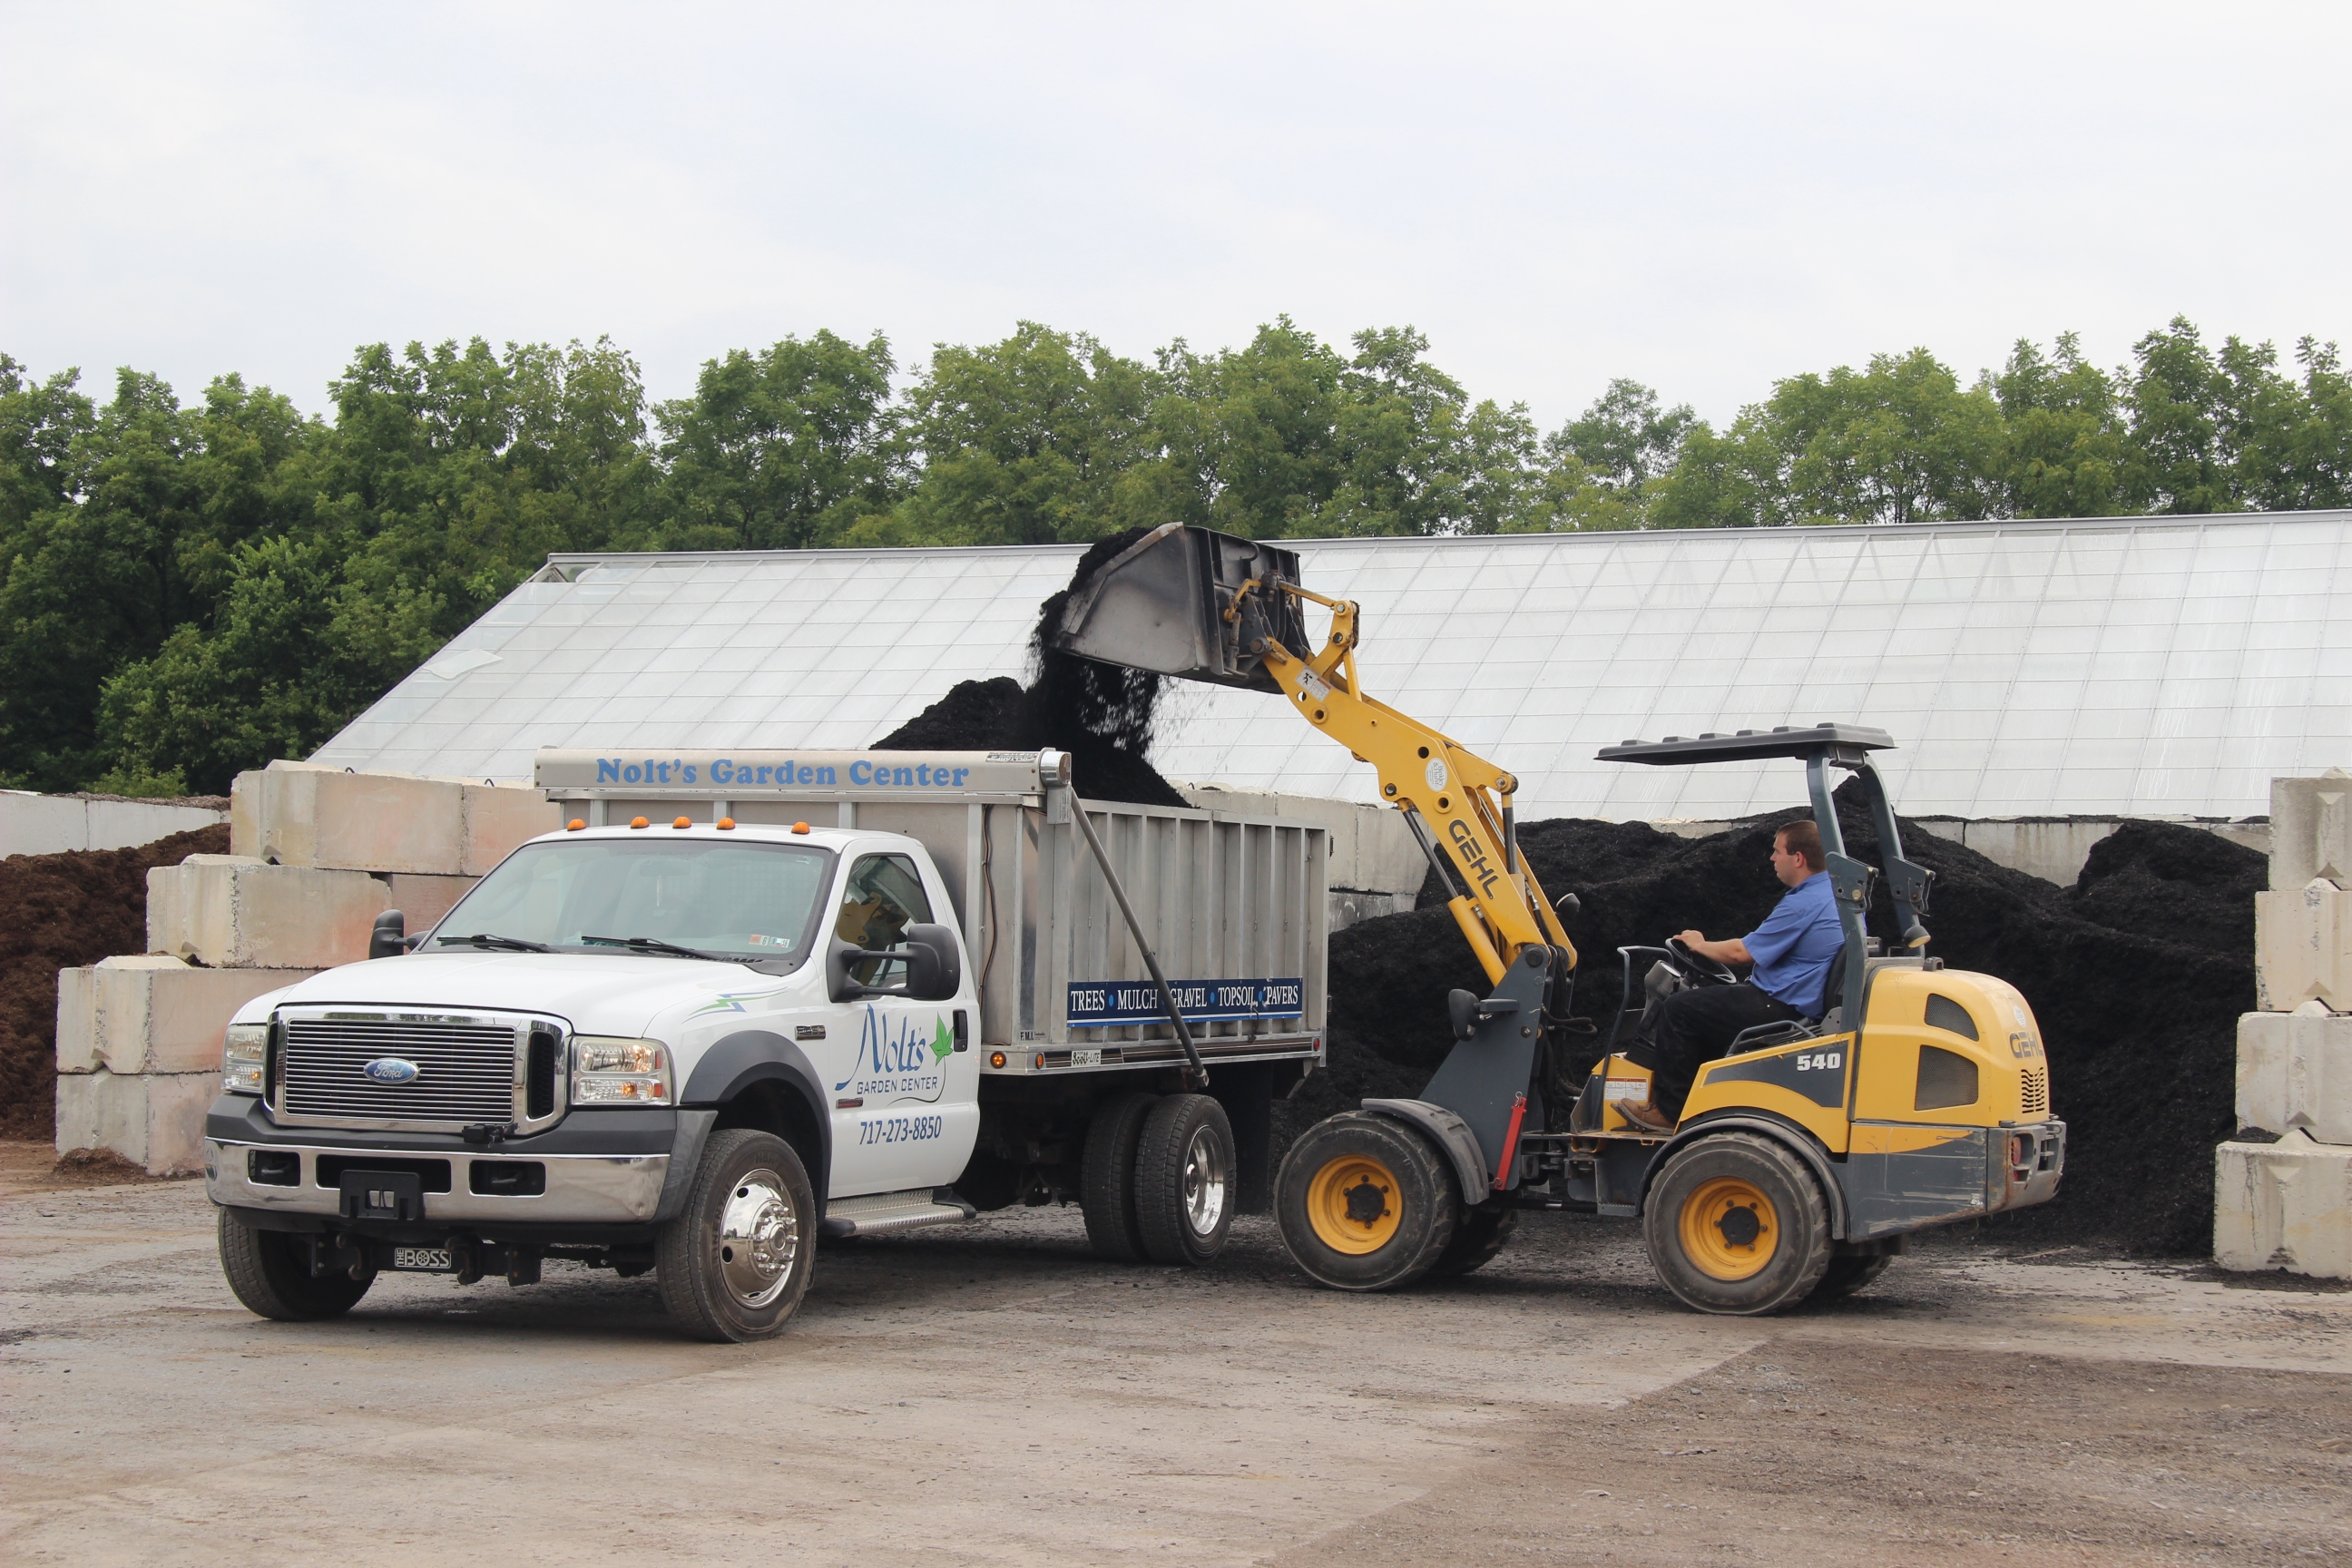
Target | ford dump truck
(744,1002)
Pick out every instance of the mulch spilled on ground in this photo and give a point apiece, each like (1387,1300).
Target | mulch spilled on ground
(2137,975)
(1100,714)
(59,911)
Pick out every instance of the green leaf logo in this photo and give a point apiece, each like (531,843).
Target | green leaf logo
(943,1039)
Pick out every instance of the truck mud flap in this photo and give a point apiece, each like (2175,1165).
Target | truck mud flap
(685,1158)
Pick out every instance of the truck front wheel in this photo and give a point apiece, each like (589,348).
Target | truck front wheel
(1365,1202)
(1184,1180)
(734,1265)
(270,1272)
(1735,1224)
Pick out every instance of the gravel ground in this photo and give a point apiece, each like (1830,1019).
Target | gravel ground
(992,1395)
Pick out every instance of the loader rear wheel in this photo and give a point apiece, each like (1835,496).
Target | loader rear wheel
(1107,1176)
(1478,1237)
(1735,1224)
(1365,1202)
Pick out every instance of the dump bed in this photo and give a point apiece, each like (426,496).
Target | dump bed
(1234,906)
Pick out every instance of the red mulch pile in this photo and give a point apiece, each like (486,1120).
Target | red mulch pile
(59,911)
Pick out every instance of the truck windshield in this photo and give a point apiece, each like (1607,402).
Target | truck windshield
(754,902)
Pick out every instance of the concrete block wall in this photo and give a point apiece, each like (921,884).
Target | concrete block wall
(48,824)
(318,854)
(2283,1187)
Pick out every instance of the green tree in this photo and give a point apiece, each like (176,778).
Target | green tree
(2066,446)
(1625,440)
(779,449)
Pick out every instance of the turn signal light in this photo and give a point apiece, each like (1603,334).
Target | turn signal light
(639,822)
(683,822)
(1039,1061)
(574,825)
(996,1059)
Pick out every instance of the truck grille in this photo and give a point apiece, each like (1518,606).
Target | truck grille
(2033,1092)
(466,1067)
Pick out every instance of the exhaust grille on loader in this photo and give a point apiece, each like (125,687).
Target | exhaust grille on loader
(2033,1093)
(357,1065)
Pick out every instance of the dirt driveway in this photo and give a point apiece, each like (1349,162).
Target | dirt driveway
(994,1395)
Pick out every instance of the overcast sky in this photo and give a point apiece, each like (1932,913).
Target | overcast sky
(1704,198)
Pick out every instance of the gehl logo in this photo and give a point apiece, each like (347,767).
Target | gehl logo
(1466,844)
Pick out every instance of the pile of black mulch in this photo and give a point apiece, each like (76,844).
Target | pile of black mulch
(2137,975)
(1101,714)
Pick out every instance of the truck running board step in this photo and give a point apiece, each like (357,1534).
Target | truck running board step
(876,1212)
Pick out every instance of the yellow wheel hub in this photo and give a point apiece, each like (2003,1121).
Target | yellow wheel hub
(1352,1203)
(1730,1228)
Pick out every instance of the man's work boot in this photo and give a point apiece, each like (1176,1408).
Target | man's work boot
(1645,1116)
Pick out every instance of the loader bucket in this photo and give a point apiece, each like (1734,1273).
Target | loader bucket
(1161,605)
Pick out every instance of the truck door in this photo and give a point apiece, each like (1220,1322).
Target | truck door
(905,1112)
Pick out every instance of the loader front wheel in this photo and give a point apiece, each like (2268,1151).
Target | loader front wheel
(1365,1202)
(1736,1224)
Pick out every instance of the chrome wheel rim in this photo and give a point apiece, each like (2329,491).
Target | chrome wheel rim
(758,1238)
(1204,1183)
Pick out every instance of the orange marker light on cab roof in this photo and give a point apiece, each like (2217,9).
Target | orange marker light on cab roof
(726,825)
(683,822)
(574,825)
(639,822)
(800,828)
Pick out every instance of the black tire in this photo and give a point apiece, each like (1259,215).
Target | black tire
(1735,1224)
(1365,1202)
(1107,1177)
(270,1272)
(1478,1236)
(1184,1184)
(1844,1276)
(735,1263)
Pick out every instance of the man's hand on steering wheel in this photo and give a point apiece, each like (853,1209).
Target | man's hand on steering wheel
(1697,967)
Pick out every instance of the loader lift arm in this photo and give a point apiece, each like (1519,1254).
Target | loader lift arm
(1188,602)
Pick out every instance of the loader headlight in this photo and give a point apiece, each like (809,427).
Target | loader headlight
(244,1054)
(606,1070)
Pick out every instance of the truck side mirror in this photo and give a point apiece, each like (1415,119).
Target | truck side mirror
(934,964)
(389,938)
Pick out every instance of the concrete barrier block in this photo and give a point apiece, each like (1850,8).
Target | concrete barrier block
(311,816)
(2295,1069)
(245,814)
(2302,947)
(78,1041)
(497,818)
(2310,830)
(154,1120)
(423,900)
(157,1015)
(2286,1204)
(228,912)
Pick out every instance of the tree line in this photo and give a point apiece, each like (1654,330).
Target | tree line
(186,590)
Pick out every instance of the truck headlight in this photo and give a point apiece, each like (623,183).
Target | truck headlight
(606,1070)
(244,1054)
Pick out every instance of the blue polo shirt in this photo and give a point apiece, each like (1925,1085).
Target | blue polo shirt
(1793,947)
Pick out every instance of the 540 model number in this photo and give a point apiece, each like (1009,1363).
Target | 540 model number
(899,1128)
(1824,1061)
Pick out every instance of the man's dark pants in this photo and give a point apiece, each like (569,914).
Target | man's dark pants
(1691,1028)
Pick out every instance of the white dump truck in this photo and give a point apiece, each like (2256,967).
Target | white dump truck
(746,1002)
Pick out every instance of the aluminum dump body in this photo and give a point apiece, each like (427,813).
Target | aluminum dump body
(1234,906)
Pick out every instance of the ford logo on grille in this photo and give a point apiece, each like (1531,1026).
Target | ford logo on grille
(391,1069)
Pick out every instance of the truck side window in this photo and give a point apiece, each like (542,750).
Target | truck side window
(883,897)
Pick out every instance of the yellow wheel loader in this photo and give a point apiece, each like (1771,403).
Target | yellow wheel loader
(1804,1158)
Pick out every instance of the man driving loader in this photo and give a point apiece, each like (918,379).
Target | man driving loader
(1791,952)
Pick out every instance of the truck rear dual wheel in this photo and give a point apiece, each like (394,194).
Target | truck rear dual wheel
(1735,1224)
(735,1263)
(1157,1182)
(271,1273)
(1366,1203)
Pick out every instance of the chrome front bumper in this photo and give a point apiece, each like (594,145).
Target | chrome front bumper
(582,1189)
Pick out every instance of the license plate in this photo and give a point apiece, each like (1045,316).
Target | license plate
(423,1260)
(1092,1058)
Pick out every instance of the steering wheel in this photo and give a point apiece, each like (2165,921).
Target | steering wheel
(1697,969)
